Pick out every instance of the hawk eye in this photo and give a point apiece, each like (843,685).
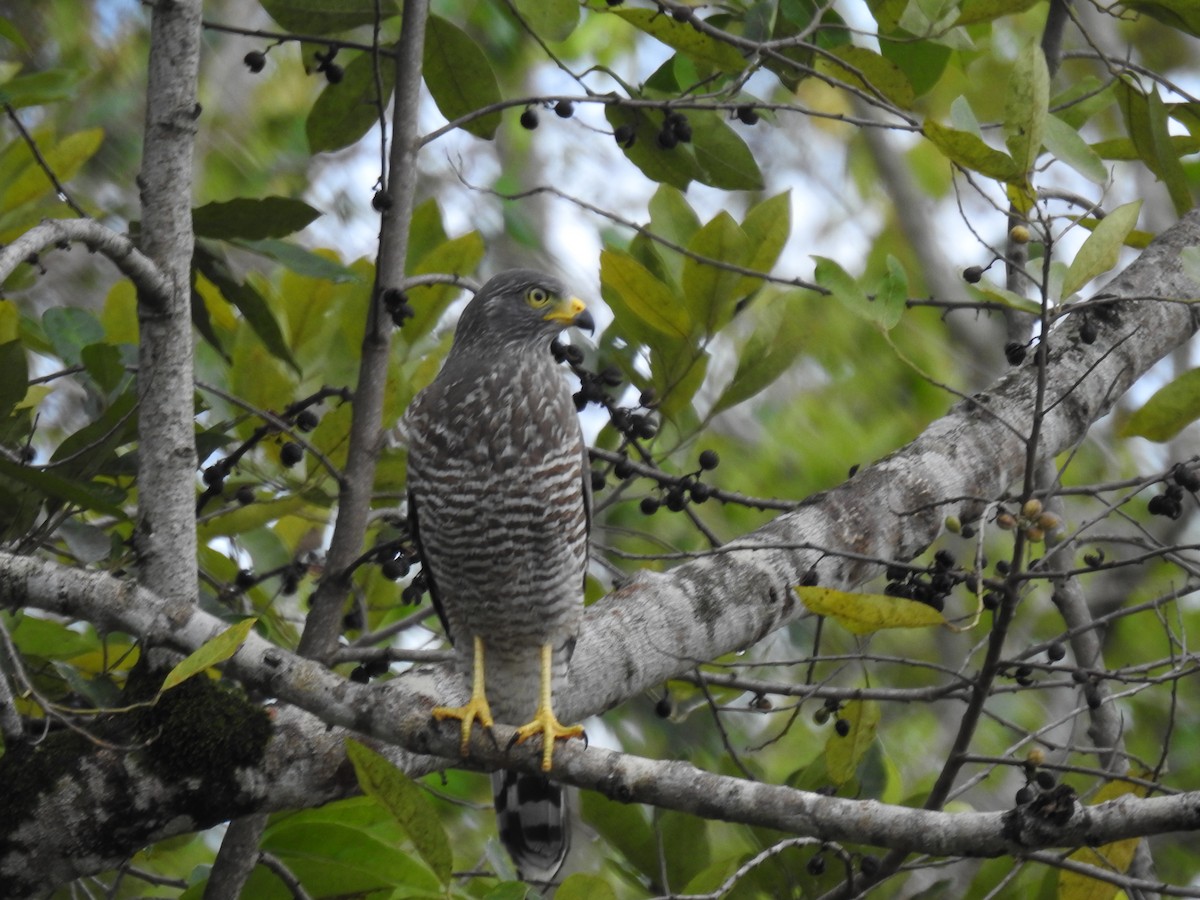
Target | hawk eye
(537,297)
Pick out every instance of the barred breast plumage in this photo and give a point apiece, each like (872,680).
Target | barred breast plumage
(499,497)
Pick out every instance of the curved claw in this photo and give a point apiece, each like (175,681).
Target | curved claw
(547,725)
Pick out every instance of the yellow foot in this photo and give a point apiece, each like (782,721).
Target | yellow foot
(545,724)
(476,708)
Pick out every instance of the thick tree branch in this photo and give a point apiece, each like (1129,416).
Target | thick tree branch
(145,275)
(166,530)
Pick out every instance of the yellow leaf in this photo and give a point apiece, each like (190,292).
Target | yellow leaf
(868,613)
(208,654)
(1114,857)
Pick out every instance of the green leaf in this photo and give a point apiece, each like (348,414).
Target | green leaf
(401,797)
(1025,110)
(702,48)
(844,752)
(9,32)
(971,152)
(209,654)
(70,329)
(676,167)
(623,826)
(459,76)
(90,449)
(892,293)
(883,311)
(582,886)
(1146,120)
(773,346)
(252,220)
(327,16)
(16,376)
(64,158)
(301,261)
(1066,144)
(106,364)
(723,158)
(38,88)
(345,111)
(1100,251)
(922,62)
(1168,411)
(509,890)
(988,293)
(767,226)
(249,302)
(644,295)
(866,70)
(241,519)
(710,291)
(868,613)
(1181,14)
(551,19)
(457,256)
(973,11)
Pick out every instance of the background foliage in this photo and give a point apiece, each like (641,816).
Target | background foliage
(775,201)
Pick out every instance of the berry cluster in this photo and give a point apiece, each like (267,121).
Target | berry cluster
(326,66)
(676,130)
(298,415)
(1037,779)
(395,301)
(1169,503)
(928,587)
(1033,521)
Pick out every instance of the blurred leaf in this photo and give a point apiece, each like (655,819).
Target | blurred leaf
(37,88)
(866,70)
(777,340)
(89,449)
(1181,14)
(69,330)
(241,519)
(623,826)
(582,886)
(971,152)
(868,613)
(209,654)
(249,302)
(709,290)
(1146,120)
(346,111)
(1114,857)
(973,11)
(550,19)
(301,261)
(988,293)
(327,16)
(922,62)
(459,76)
(681,36)
(85,496)
(1101,250)
(511,890)
(400,796)
(87,543)
(457,256)
(9,32)
(843,752)
(1066,144)
(723,158)
(16,376)
(64,158)
(1025,110)
(1124,148)
(1168,411)
(252,220)
(48,639)
(882,310)
(674,220)
(106,364)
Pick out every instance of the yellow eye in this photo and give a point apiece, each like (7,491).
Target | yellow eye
(537,297)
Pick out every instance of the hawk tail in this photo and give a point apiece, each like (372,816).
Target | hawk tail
(531,813)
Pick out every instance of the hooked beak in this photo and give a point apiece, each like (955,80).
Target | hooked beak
(572,311)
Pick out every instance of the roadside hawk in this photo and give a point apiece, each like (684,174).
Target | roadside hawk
(499,499)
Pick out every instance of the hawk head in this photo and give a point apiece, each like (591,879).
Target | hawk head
(520,306)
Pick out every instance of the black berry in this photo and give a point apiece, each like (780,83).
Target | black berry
(625,136)
(255,60)
(334,73)
(290,454)
(747,115)
(564,109)
(709,460)
(649,505)
(972,274)
(842,727)
(529,119)
(1014,352)
(307,420)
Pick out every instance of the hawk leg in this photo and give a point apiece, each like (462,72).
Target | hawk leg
(544,721)
(476,708)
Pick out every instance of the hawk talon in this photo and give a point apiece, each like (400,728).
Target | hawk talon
(475,708)
(547,725)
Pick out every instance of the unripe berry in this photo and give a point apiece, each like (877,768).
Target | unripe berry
(1019,234)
